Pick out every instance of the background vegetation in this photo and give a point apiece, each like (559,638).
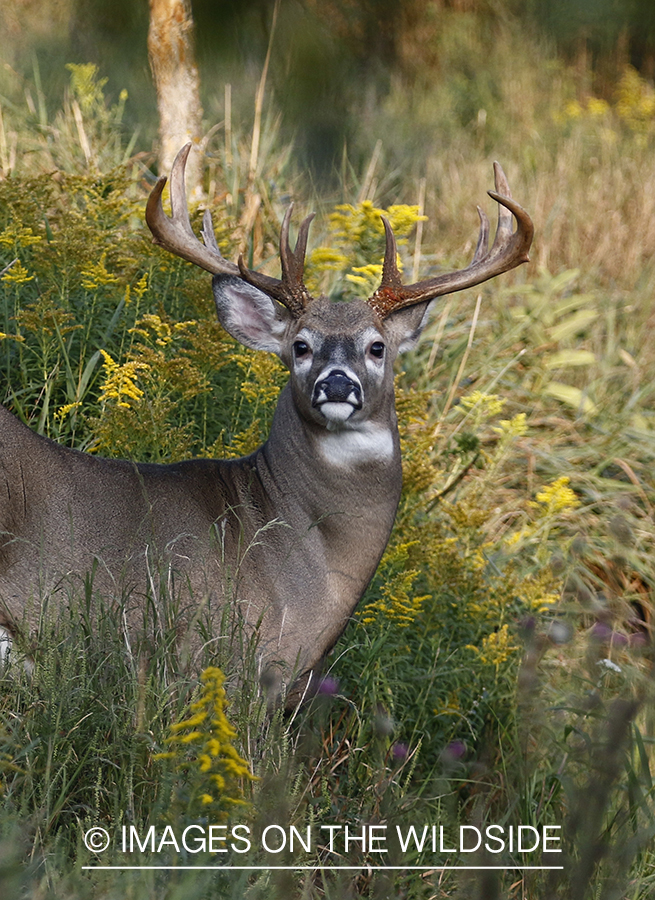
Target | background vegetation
(498,669)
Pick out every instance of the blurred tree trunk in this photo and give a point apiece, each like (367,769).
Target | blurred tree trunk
(174,69)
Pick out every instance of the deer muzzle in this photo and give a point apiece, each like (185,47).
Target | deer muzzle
(337,387)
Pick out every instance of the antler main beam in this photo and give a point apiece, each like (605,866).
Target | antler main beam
(174,233)
(509,249)
(290,290)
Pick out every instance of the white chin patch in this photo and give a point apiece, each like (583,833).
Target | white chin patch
(349,447)
(336,413)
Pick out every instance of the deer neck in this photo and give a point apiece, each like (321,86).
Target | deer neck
(346,483)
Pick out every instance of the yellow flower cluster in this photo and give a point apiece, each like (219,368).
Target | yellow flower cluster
(635,105)
(556,497)
(139,289)
(163,332)
(119,383)
(265,375)
(354,223)
(635,102)
(486,405)
(95,275)
(368,276)
(67,408)
(86,86)
(359,232)
(512,428)
(594,108)
(324,259)
(16,234)
(496,648)
(396,602)
(17,274)
(540,593)
(208,732)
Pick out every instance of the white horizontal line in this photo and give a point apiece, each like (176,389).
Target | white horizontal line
(338,868)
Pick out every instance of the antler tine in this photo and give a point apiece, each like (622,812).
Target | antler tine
(483,238)
(509,249)
(286,255)
(290,290)
(175,233)
(208,233)
(504,227)
(390,274)
(301,245)
(177,186)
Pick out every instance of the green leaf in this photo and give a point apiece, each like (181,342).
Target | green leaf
(572,324)
(572,396)
(569,358)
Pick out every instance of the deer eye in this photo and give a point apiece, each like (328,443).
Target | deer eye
(377,349)
(300,349)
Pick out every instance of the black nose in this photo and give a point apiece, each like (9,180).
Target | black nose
(337,387)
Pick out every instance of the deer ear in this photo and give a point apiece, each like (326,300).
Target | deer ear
(249,315)
(406,325)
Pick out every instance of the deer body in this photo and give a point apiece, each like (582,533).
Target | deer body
(289,536)
(62,510)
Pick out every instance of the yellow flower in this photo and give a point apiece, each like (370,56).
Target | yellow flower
(557,496)
(635,100)
(63,411)
(515,427)
(208,747)
(119,383)
(141,286)
(17,274)
(323,259)
(18,234)
(496,648)
(396,602)
(486,405)
(369,276)
(597,108)
(403,218)
(573,109)
(95,275)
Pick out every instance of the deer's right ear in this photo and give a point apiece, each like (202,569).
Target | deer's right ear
(249,315)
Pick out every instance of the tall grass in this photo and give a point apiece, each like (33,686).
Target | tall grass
(498,670)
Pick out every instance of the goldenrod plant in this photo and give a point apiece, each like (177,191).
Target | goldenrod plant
(202,748)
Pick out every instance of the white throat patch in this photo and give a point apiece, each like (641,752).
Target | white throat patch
(349,447)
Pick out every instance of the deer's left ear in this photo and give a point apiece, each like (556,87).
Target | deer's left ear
(405,325)
(249,315)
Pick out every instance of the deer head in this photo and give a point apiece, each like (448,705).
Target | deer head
(339,355)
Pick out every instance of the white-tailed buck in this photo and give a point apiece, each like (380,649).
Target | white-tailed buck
(289,536)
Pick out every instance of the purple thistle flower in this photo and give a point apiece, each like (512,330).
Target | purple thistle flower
(399,751)
(328,686)
(601,631)
(637,639)
(455,750)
